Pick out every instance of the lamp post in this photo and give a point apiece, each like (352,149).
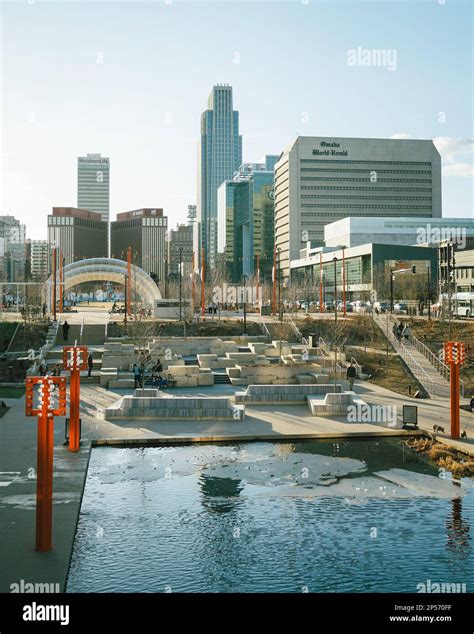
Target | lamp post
(125,285)
(180,280)
(429,289)
(280,310)
(245,304)
(335,289)
(391,291)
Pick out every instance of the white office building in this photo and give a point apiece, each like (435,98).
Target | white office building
(93,184)
(319,180)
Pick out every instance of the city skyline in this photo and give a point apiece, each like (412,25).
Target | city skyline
(151,130)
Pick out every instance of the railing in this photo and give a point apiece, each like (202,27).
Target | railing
(107,319)
(45,348)
(415,368)
(82,329)
(294,327)
(14,335)
(340,371)
(264,328)
(443,369)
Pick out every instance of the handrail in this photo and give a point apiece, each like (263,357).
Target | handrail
(14,335)
(264,327)
(295,328)
(443,369)
(107,319)
(327,351)
(82,328)
(412,364)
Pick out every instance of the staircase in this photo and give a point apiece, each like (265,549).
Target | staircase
(220,378)
(430,372)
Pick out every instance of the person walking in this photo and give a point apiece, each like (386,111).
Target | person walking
(351,375)
(136,374)
(90,364)
(406,332)
(66,327)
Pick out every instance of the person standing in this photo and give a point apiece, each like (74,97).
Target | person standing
(90,364)
(136,374)
(406,332)
(66,327)
(351,375)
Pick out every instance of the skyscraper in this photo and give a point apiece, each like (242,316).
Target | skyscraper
(93,184)
(78,233)
(219,157)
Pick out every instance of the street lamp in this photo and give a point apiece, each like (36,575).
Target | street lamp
(280,311)
(335,289)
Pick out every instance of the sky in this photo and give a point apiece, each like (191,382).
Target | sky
(130,80)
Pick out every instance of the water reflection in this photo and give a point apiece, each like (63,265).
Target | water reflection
(457,532)
(219,494)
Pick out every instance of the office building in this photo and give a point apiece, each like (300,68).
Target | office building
(144,230)
(93,184)
(246,220)
(192,212)
(219,157)
(180,238)
(37,252)
(319,180)
(77,233)
(12,249)
(351,232)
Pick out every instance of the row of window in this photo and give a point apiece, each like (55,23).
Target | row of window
(369,189)
(359,180)
(370,198)
(367,206)
(365,170)
(369,161)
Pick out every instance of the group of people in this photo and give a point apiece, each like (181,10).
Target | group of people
(401,331)
(56,369)
(145,363)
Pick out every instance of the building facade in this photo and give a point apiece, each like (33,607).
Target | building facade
(38,259)
(246,220)
(77,233)
(144,230)
(93,184)
(319,180)
(12,249)
(219,157)
(180,238)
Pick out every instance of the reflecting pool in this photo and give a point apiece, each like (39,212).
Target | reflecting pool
(356,516)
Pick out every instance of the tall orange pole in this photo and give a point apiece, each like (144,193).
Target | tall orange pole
(258,284)
(129,281)
(193,283)
(274,298)
(61,281)
(344,284)
(74,422)
(44,480)
(455,414)
(54,282)
(321,283)
(203,282)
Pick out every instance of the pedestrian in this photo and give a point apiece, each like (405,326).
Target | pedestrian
(399,330)
(56,371)
(43,368)
(406,332)
(136,374)
(395,330)
(471,404)
(90,363)
(66,327)
(351,375)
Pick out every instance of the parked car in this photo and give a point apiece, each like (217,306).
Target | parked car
(401,308)
(382,307)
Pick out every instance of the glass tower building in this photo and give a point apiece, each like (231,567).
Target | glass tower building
(246,220)
(219,157)
(93,184)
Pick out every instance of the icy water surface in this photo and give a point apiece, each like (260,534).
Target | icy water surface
(357,516)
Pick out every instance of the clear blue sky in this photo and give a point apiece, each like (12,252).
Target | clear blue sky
(287,63)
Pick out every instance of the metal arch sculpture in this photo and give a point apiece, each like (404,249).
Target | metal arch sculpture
(110,270)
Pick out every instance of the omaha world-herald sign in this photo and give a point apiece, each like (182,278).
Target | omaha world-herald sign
(330,151)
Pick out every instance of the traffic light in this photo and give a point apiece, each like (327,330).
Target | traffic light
(413,269)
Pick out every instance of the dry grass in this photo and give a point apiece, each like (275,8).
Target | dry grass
(388,372)
(459,464)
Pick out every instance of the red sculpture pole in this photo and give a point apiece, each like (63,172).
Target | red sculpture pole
(44,464)
(455,355)
(74,360)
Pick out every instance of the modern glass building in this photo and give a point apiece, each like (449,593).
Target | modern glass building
(219,157)
(319,180)
(93,184)
(246,220)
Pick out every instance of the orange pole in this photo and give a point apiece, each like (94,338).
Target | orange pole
(343,284)
(203,282)
(192,282)
(61,281)
(258,283)
(320,282)
(455,415)
(54,283)
(74,395)
(44,482)
(274,281)
(129,281)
